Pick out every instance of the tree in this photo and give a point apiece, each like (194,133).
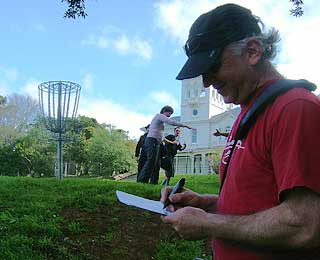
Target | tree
(37,151)
(18,112)
(10,161)
(3,101)
(110,152)
(75,149)
(75,8)
(33,153)
(297,10)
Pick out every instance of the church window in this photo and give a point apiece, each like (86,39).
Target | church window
(188,94)
(194,136)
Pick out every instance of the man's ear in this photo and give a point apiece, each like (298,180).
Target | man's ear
(254,51)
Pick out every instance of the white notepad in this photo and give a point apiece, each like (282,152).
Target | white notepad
(136,201)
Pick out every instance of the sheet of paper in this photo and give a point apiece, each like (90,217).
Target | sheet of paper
(132,200)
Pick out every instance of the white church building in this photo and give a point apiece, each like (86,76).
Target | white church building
(204,110)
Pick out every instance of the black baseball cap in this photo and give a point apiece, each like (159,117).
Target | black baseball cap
(212,32)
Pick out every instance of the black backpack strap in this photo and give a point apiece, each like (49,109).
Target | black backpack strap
(267,97)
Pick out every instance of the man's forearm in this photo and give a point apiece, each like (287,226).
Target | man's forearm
(261,229)
(289,225)
(208,202)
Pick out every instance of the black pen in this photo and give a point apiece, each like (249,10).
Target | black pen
(176,189)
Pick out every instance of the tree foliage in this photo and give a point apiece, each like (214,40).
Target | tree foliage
(18,112)
(110,151)
(31,153)
(76,8)
(297,10)
(89,148)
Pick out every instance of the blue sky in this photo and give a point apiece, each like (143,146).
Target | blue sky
(126,54)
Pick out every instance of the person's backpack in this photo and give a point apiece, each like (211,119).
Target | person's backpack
(267,97)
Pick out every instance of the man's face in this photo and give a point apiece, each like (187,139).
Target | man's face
(234,79)
(167,114)
(177,132)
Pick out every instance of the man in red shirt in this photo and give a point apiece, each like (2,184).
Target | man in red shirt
(269,203)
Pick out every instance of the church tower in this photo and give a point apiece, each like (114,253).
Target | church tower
(199,103)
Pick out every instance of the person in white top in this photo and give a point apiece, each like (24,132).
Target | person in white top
(150,170)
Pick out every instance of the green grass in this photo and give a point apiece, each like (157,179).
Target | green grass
(51,219)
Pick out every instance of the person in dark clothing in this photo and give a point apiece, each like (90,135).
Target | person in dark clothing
(172,145)
(150,170)
(140,152)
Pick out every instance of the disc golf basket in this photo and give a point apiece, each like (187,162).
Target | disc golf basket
(59,102)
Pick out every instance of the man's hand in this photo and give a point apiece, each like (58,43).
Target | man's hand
(191,223)
(185,198)
(190,217)
(189,127)
(218,133)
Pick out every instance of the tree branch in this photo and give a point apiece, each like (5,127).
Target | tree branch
(75,8)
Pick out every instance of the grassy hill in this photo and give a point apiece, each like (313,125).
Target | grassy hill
(82,219)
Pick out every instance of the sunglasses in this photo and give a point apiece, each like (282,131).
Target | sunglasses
(203,42)
(197,43)
(212,70)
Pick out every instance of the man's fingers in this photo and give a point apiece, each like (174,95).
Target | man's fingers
(166,219)
(171,208)
(165,193)
(176,198)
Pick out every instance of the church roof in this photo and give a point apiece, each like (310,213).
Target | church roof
(232,112)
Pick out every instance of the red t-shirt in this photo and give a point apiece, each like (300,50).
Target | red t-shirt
(280,151)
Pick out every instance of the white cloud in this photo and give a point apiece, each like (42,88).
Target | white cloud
(102,42)
(142,48)
(175,17)
(299,41)
(162,98)
(99,42)
(294,72)
(88,82)
(136,46)
(106,111)
(122,43)
(31,88)
(109,112)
